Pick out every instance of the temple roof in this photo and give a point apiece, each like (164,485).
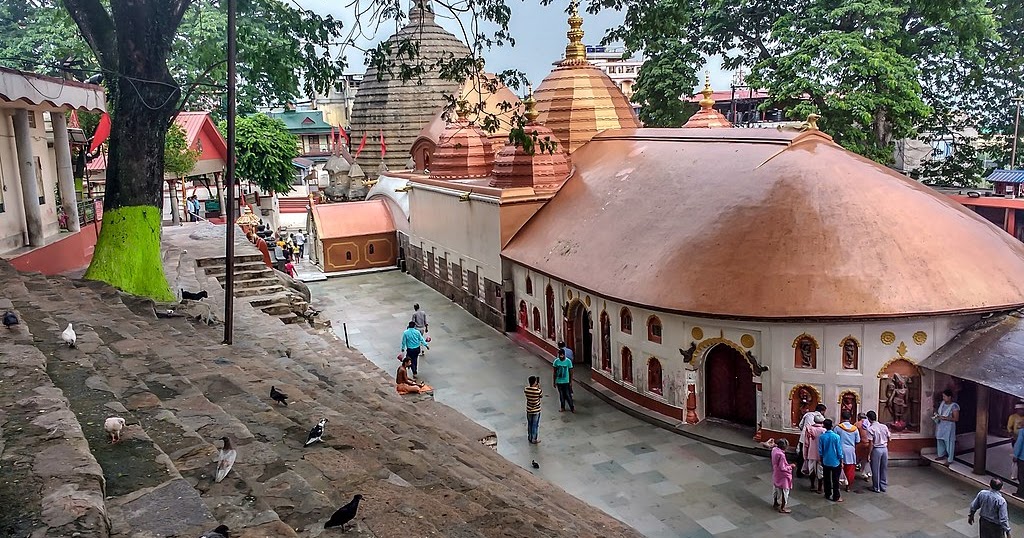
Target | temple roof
(352,219)
(707,117)
(463,151)
(542,167)
(763,224)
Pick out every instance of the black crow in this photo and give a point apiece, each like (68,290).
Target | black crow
(278,396)
(10,319)
(344,514)
(222,531)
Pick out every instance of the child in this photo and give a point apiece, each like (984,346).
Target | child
(289,268)
(782,476)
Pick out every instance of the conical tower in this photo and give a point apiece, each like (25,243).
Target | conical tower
(400,109)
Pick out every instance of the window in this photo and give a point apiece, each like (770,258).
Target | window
(31,119)
(529,286)
(348,255)
(654,383)
(625,321)
(549,299)
(627,365)
(606,342)
(371,249)
(536,319)
(654,329)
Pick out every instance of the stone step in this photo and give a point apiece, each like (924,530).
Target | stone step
(220,270)
(245,274)
(256,282)
(220,260)
(267,300)
(254,291)
(289,319)
(276,309)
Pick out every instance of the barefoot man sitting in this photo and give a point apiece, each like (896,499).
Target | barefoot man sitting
(404,384)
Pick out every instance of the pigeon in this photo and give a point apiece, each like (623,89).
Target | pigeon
(225,460)
(10,319)
(344,514)
(113,427)
(316,433)
(194,296)
(69,337)
(222,531)
(278,396)
(535,464)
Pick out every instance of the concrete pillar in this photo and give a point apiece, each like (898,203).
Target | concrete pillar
(29,190)
(65,177)
(981,431)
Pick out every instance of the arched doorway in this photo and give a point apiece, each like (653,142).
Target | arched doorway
(729,391)
(579,333)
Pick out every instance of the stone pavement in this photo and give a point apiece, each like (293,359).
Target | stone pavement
(662,484)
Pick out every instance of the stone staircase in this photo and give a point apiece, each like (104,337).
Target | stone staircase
(258,285)
(420,465)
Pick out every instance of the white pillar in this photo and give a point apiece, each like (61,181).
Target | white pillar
(65,177)
(29,190)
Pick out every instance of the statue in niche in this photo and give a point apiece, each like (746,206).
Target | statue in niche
(897,402)
(803,400)
(849,403)
(804,397)
(806,351)
(850,354)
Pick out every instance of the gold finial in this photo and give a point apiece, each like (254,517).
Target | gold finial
(575,51)
(812,122)
(530,105)
(707,102)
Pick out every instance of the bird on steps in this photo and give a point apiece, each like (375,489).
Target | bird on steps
(535,464)
(10,319)
(225,460)
(113,427)
(278,396)
(69,337)
(192,296)
(222,531)
(344,514)
(317,433)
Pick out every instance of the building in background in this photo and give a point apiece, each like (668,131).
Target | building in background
(337,104)
(623,72)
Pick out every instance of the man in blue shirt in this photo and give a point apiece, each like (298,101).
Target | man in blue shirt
(1018,459)
(563,381)
(412,342)
(994,521)
(568,352)
(830,451)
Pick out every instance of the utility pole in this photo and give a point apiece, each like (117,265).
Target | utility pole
(1016,127)
(229,211)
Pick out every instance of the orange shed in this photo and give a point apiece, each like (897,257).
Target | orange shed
(351,236)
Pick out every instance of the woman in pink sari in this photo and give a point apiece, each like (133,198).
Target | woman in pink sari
(782,476)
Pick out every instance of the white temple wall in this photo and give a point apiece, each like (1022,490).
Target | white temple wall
(440,223)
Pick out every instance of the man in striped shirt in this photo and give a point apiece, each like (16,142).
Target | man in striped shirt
(533,396)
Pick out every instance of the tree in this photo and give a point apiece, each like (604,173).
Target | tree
(179,160)
(265,151)
(132,41)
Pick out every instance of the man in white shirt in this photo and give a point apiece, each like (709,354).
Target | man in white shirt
(807,420)
(300,241)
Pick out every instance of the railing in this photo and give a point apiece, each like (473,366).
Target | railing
(90,211)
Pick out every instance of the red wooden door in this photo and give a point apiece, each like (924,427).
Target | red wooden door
(729,391)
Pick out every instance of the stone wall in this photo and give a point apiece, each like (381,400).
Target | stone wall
(463,287)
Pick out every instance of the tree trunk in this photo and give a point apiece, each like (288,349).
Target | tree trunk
(175,216)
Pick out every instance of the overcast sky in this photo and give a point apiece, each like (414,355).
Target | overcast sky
(539,32)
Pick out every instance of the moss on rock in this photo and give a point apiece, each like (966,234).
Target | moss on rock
(127,254)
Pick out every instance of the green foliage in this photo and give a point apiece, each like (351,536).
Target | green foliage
(179,159)
(265,152)
(40,36)
(127,254)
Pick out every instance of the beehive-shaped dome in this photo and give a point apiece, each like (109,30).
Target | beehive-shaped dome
(543,168)
(707,117)
(578,100)
(463,151)
(386,105)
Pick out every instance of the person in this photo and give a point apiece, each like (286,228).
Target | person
(189,210)
(289,268)
(782,476)
(880,435)
(850,438)
(995,522)
(404,385)
(864,447)
(419,318)
(533,395)
(562,367)
(568,352)
(805,421)
(412,342)
(300,241)
(1018,460)
(812,458)
(946,417)
(830,450)
(1015,423)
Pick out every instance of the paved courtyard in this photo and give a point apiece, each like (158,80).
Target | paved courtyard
(663,484)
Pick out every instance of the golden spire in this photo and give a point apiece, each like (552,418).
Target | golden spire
(531,105)
(707,102)
(575,51)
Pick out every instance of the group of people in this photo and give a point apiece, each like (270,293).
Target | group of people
(415,342)
(193,207)
(561,378)
(829,454)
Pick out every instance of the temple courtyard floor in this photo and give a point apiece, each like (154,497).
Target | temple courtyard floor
(661,483)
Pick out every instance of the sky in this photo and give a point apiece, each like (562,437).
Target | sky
(539,32)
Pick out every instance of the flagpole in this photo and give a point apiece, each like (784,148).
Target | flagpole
(229,247)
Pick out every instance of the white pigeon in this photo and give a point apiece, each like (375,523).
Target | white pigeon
(69,337)
(225,460)
(113,426)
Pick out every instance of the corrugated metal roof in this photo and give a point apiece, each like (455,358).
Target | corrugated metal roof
(990,353)
(1007,176)
(352,219)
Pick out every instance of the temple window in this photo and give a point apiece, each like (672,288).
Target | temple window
(627,365)
(625,321)
(654,329)
(805,352)
(654,383)
(536,319)
(529,286)
(348,255)
(549,299)
(606,342)
(851,353)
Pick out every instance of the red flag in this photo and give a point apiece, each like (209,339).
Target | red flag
(361,146)
(383,146)
(102,132)
(344,134)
